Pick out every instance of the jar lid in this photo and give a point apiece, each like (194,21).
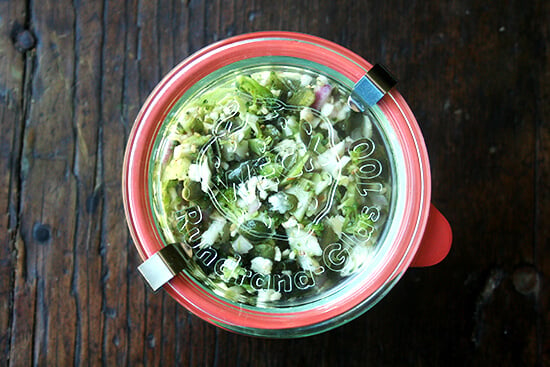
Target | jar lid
(271,204)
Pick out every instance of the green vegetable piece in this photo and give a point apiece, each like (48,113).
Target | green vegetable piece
(242,172)
(360,150)
(196,139)
(317,144)
(274,82)
(349,205)
(318,228)
(305,132)
(362,226)
(302,97)
(250,86)
(227,201)
(296,170)
(260,146)
(271,131)
(191,190)
(214,97)
(271,170)
(170,193)
(255,231)
(192,125)
(292,200)
(304,191)
(350,199)
(265,250)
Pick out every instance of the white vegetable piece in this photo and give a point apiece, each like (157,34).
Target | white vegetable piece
(306,114)
(247,195)
(336,223)
(303,242)
(241,245)
(303,196)
(307,262)
(264,185)
(261,265)
(278,255)
(267,295)
(305,80)
(305,245)
(194,172)
(332,160)
(201,173)
(291,222)
(206,175)
(327,109)
(214,231)
(278,203)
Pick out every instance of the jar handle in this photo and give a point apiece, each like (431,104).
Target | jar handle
(436,242)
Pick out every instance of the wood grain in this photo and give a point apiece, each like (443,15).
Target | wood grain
(73,75)
(12,115)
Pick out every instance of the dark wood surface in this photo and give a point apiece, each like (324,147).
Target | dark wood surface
(73,74)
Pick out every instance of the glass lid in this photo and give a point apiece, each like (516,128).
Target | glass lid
(260,200)
(277,193)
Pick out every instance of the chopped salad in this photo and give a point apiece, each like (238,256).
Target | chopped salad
(273,186)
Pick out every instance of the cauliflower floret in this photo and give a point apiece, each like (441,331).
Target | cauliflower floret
(333,159)
(211,235)
(261,265)
(307,263)
(264,185)
(247,195)
(241,245)
(303,242)
(280,202)
(201,173)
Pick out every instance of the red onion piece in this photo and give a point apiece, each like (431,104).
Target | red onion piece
(321,96)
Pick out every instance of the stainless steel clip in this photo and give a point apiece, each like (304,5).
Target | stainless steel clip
(371,88)
(163,265)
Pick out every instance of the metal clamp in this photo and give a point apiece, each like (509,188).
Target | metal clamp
(371,88)
(163,265)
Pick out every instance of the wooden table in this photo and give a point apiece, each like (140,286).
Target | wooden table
(73,75)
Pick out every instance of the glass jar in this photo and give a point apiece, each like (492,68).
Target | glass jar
(262,202)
